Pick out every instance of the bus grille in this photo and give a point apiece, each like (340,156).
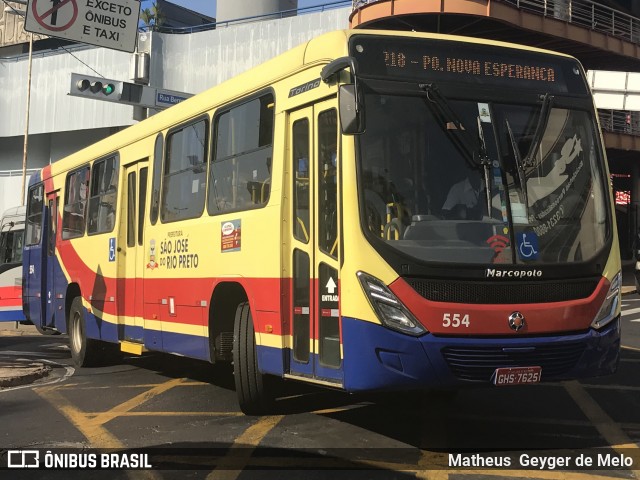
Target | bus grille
(477,364)
(456,291)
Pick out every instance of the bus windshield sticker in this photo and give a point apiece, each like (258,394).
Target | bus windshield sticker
(528,245)
(230,236)
(483,110)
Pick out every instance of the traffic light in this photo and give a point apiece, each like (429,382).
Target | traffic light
(125,93)
(95,87)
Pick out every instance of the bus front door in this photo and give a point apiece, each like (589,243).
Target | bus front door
(313,258)
(129,253)
(54,301)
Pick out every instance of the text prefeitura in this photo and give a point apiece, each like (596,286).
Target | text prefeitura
(601,460)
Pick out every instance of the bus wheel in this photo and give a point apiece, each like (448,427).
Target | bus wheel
(251,385)
(84,351)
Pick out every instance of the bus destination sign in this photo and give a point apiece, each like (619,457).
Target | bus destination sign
(470,66)
(452,61)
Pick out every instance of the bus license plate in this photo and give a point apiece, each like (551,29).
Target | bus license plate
(516,375)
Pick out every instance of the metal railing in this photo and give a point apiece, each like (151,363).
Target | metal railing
(585,13)
(18,173)
(620,121)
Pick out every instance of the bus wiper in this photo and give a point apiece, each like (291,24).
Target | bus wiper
(485,162)
(545,112)
(451,124)
(520,166)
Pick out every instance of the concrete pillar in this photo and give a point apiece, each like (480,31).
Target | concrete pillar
(562,10)
(234,9)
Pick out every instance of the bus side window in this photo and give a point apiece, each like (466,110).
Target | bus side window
(35,205)
(102,201)
(7,250)
(17,248)
(300,152)
(53,225)
(327,182)
(241,168)
(142,203)
(156,181)
(185,166)
(75,202)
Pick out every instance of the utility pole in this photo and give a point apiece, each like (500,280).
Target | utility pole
(21,13)
(26,122)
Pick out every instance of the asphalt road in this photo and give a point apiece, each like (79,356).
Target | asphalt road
(631,320)
(188,410)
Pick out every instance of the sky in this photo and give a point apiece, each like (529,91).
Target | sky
(207,7)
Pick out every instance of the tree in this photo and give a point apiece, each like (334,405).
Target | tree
(152,17)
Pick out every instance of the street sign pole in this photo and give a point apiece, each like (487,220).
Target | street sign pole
(26,122)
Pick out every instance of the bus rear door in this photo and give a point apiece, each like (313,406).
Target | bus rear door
(314,252)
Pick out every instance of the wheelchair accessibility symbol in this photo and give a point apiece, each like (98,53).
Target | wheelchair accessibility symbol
(527,245)
(112,249)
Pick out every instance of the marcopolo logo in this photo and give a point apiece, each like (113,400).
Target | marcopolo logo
(503,273)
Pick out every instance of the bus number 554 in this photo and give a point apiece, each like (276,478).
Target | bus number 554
(455,320)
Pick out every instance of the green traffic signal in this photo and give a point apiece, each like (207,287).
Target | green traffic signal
(95,86)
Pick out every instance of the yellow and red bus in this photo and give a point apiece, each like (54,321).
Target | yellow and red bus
(372,210)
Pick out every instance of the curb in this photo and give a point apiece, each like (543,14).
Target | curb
(16,375)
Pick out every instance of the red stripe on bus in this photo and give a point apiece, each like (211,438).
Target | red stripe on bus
(493,319)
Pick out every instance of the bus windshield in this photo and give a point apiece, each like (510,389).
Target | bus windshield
(477,182)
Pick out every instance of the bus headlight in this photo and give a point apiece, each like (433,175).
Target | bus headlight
(608,309)
(390,310)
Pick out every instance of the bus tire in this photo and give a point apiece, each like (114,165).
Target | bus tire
(85,352)
(251,385)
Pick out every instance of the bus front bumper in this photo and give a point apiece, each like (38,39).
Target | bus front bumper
(376,358)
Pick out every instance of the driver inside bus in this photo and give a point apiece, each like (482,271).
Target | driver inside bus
(464,200)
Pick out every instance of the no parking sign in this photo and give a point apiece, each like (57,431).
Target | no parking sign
(106,23)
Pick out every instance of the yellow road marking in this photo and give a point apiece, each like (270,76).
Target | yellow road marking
(239,450)
(97,436)
(181,414)
(346,408)
(80,386)
(91,425)
(541,474)
(610,431)
(136,401)
(430,462)
(626,347)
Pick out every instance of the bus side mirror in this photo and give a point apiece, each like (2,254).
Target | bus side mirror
(351,117)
